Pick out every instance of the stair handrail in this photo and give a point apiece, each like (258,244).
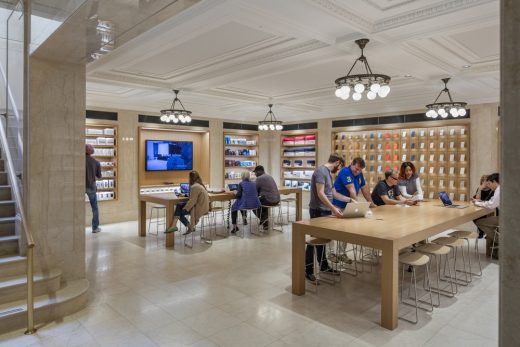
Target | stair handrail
(25,227)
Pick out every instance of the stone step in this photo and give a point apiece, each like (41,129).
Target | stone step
(5,192)
(9,245)
(7,226)
(47,308)
(7,208)
(15,288)
(12,265)
(3,179)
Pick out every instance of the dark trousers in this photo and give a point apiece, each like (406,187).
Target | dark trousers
(234,215)
(263,212)
(179,212)
(320,250)
(92,198)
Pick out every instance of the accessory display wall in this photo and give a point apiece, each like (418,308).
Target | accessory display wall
(240,154)
(440,155)
(298,151)
(103,137)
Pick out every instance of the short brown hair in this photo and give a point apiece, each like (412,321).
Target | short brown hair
(336,157)
(359,161)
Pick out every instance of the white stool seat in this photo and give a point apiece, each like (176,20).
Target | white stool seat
(449,241)
(464,234)
(434,249)
(414,259)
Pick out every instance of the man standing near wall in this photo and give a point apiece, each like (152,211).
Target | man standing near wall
(93,171)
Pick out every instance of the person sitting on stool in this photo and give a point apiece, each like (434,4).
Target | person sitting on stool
(246,198)
(489,224)
(268,194)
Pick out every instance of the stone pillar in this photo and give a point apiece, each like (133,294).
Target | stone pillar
(55,185)
(509,324)
(216,140)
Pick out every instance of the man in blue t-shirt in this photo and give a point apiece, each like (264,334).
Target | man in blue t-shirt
(350,181)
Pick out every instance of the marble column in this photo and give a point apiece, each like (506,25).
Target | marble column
(55,180)
(509,324)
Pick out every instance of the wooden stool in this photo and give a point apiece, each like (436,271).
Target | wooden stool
(288,201)
(455,244)
(316,263)
(413,260)
(270,217)
(437,251)
(466,235)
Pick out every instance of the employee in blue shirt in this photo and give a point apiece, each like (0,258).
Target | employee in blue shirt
(350,181)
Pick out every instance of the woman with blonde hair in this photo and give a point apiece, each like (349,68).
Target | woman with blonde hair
(246,198)
(197,205)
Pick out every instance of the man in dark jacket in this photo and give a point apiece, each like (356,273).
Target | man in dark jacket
(93,171)
(268,194)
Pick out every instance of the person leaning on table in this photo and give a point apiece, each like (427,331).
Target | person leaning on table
(386,191)
(409,182)
(483,193)
(349,182)
(489,224)
(321,205)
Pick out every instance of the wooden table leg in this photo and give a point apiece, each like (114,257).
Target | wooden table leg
(142,218)
(389,286)
(298,260)
(299,213)
(170,237)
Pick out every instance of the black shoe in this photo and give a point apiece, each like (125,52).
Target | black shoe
(266,226)
(480,234)
(410,269)
(245,222)
(310,277)
(330,271)
(234,230)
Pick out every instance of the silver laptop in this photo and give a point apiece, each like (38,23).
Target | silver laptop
(356,209)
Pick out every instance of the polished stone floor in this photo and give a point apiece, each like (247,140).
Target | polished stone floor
(236,292)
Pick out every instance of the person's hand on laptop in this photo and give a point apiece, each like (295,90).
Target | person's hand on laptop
(337,212)
(410,202)
(372,205)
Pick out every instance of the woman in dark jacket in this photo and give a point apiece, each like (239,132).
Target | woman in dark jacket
(246,198)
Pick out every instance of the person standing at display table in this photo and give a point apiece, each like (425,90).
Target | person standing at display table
(489,224)
(321,205)
(267,193)
(197,206)
(409,182)
(386,191)
(93,171)
(483,193)
(349,182)
(246,198)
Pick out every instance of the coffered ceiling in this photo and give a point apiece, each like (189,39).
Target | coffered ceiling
(230,58)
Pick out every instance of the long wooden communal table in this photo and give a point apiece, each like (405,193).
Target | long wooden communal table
(390,229)
(170,200)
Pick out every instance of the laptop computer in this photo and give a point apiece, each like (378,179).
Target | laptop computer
(447,202)
(185,189)
(356,209)
(232,187)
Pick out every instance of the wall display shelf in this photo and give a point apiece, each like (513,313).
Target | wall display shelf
(440,155)
(240,154)
(104,139)
(298,152)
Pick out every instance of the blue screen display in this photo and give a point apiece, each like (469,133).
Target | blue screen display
(168,155)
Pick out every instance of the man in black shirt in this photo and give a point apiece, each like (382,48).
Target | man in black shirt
(387,192)
(93,171)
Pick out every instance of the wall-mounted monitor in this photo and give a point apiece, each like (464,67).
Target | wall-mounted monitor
(164,155)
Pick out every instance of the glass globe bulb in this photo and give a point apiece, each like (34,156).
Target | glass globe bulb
(260,127)
(164,118)
(359,88)
(279,127)
(383,91)
(176,120)
(172,117)
(345,96)
(271,126)
(356,96)
(462,112)
(345,90)
(444,114)
(181,117)
(187,119)
(428,113)
(338,92)
(434,114)
(453,110)
(371,95)
(441,111)
(455,115)
(374,87)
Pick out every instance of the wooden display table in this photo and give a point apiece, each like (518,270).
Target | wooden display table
(170,200)
(390,229)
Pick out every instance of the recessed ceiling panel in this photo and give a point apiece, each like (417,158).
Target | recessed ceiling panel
(210,45)
(484,42)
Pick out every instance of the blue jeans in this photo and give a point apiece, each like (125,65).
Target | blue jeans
(320,250)
(179,212)
(91,193)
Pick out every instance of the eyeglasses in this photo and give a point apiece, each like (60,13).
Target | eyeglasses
(395,178)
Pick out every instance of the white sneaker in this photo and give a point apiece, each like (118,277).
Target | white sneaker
(95,231)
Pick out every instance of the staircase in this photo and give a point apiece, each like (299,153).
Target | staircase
(53,298)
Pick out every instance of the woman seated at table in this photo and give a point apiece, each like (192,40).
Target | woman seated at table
(409,182)
(246,198)
(197,205)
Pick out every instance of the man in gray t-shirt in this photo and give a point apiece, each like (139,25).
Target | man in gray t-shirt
(321,205)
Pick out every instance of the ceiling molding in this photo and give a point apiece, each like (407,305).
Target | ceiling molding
(357,22)
(428,12)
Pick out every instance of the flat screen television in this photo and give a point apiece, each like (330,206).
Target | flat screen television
(164,155)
